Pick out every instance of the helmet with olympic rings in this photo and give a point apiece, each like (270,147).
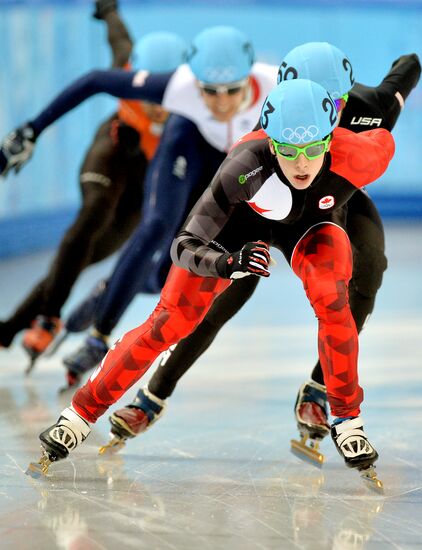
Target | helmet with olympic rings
(298,112)
(220,55)
(159,52)
(321,62)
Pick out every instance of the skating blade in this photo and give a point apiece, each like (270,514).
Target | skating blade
(113,446)
(369,476)
(309,453)
(35,470)
(40,468)
(31,365)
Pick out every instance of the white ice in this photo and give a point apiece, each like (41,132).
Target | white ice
(216,471)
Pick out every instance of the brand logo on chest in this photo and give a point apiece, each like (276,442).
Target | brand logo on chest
(244,177)
(326,202)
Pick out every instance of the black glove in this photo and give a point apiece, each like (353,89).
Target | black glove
(253,259)
(16,149)
(104,7)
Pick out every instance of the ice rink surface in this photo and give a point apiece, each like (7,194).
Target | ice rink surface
(216,471)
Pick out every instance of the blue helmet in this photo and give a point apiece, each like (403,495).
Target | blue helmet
(322,63)
(159,52)
(220,55)
(298,111)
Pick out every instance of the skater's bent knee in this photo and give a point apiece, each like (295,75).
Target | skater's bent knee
(329,301)
(332,309)
(169,326)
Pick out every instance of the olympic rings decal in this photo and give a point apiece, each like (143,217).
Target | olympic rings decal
(300,134)
(221,74)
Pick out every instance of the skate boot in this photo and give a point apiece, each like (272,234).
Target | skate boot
(133,419)
(352,444)
(59,440)
(6,334)
(82,317)
(87,357)
(37,339)
(311,416)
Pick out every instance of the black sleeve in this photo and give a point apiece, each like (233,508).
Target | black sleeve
(118,38)
(403,75)
(402,78)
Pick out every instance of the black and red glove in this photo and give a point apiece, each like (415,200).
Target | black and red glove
(253,259)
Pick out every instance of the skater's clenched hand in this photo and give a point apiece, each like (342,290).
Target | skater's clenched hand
(253,259)
(16,149)
(104,7)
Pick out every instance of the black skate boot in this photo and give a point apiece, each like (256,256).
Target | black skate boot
(352,444)
(6,334)
(133,419)
(84,359)
(59,440)
(311,416)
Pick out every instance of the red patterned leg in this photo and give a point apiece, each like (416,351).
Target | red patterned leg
(184,301)
(323,261)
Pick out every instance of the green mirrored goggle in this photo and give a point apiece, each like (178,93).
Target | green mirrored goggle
(311,151)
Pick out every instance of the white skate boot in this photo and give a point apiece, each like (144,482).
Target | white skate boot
(353,445)
(59,440)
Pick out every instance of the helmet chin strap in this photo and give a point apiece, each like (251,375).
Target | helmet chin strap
(248,98)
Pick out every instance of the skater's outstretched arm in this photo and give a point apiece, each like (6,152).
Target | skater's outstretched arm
(396,86)
(115,82)
(16,148)
(118,35)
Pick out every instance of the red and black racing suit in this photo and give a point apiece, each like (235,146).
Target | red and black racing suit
(368,107)
(307,226)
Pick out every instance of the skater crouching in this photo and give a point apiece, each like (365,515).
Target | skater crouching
(301,173)
(356,104)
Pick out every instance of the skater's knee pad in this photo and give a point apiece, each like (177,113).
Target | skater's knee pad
(369,264)
(329,299)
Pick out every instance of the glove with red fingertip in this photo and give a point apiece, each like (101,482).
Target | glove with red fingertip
(253,259)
